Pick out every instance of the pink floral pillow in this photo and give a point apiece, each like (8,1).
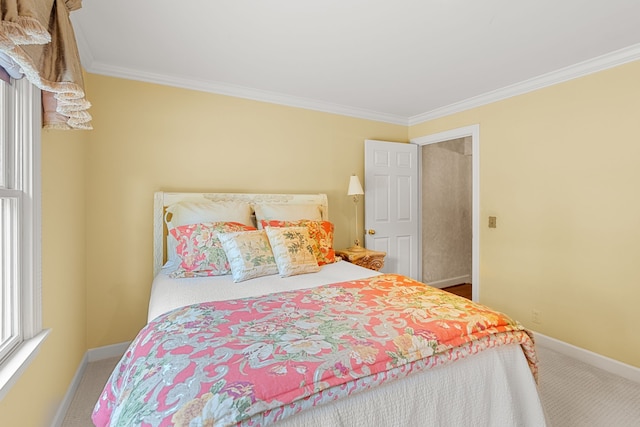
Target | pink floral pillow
(200,251)
(320,231)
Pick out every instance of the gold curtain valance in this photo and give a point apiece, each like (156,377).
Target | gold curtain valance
(39,37)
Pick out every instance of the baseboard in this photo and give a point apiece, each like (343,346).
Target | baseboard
(100,353)
(68,397)
(108,351)
(594,359)
(450,282)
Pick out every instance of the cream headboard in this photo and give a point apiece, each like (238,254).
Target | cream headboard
(163,199)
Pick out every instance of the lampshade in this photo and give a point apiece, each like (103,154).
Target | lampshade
(355,188)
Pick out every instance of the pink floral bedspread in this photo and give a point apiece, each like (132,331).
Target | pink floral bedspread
(257,360)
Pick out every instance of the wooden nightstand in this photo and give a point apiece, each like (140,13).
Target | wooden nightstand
(367,258)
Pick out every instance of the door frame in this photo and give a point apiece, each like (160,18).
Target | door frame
(472,131)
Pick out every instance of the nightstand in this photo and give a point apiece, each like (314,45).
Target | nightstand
(367,258)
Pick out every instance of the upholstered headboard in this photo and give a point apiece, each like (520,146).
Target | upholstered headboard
(164,200)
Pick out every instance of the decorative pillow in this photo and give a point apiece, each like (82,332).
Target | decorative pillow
(199,250)
(320,231)
(249,254)
(293,250)
(291,212)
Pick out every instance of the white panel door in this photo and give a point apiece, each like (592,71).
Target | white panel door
(392,205)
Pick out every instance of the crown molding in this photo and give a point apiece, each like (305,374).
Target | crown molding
(244,92)
(600,63)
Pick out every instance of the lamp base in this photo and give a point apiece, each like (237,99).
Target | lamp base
(356,247)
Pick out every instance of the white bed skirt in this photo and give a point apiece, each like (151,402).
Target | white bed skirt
(493,388)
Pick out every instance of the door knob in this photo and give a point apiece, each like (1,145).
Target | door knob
(371,232)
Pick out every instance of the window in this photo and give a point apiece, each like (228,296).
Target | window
(20,306)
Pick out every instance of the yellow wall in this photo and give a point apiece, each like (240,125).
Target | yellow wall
(35,398)
(148,138)
(559,169)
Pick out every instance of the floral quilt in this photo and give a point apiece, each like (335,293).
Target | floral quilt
(257,360)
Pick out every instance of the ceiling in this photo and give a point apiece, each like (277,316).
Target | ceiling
(400,61)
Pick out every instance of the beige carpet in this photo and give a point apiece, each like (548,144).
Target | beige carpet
(573,393)
(576,394)
(95,377)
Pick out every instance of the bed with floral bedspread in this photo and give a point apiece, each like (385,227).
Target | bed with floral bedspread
(254,361)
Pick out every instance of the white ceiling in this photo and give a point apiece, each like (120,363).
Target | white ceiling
(399,61)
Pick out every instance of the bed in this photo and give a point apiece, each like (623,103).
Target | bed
(311,341)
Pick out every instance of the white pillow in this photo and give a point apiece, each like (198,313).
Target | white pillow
(203,211)
(198,212)
(287,213)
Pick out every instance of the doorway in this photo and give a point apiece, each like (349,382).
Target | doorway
(457,148)
(446,213)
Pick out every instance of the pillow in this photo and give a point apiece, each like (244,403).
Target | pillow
(320,231)
(197,211)
(249,254)
(287,212)
(293,249)
(199,250)
(200,211)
